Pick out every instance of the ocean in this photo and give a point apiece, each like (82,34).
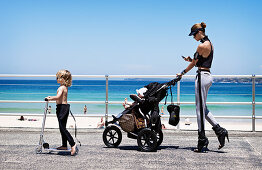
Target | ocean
(94,90)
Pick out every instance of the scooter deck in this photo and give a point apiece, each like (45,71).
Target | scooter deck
(57,150)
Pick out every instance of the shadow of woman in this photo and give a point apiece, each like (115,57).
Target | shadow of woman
(188,148)
(168,147)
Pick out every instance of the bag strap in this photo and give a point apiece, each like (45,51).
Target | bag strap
(166,97)
(171,93)
(172,102)
(75,128)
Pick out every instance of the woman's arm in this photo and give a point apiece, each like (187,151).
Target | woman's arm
(200,50)
(191,65)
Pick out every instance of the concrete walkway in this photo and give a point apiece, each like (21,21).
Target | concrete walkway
(17,151)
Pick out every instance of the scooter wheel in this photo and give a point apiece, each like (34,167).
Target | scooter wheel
(112,136)
(46,145)
(147,140)
(38,150)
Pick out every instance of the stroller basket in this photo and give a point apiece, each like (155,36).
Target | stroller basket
(130,122)
(127,122)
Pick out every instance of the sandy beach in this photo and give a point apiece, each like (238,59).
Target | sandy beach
(91,121)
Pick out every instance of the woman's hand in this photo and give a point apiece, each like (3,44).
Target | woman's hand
(179,75)
(188,59)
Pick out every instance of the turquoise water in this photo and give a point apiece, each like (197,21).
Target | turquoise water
(94,90)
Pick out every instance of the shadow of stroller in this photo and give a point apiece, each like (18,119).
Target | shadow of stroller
(167,147)
(134,148)
(128,148)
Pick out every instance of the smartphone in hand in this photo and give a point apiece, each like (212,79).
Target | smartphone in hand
(189,59)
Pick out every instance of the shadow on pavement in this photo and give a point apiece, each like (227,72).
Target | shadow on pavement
(167,147)
(188,148)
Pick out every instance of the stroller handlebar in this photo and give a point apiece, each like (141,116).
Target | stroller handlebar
(174,81)
(166,85)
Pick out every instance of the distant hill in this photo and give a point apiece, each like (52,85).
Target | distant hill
(236,80)
(216,80)
(147,79)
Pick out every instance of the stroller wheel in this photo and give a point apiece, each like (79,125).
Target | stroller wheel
(147,140)
(112,136)
(159,137)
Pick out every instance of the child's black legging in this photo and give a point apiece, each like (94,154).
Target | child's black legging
(62,112)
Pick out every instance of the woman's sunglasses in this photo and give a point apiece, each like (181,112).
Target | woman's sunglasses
(195,34)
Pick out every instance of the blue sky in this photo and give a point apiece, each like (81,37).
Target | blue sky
(126,36)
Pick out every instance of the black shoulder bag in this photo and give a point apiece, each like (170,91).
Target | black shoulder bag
(174,111)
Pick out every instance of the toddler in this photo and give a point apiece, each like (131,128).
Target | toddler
(64,78)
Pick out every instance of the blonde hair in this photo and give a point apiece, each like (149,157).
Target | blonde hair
(199,25)
(66,76)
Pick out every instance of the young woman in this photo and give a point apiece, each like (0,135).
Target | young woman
(203,60)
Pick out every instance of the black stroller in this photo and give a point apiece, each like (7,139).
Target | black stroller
(141,120)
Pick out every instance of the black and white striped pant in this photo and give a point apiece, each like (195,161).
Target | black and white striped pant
(202,112)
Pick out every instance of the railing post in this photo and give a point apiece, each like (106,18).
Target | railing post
(178,92)
(253,103)
(178,100)
(106,102)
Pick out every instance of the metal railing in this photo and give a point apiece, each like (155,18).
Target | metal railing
(178,102)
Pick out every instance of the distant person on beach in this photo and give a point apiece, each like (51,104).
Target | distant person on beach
(64,78)
(49,109)
(101,124)
(163,126)
(85,109)
(21,118)
(203,59)
(162,110)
